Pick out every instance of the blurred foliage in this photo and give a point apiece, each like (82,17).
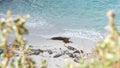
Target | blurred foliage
(107,51)
(14,26)
(44,64)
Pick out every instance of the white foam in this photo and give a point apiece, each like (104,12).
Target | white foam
(37,22)
(87,34)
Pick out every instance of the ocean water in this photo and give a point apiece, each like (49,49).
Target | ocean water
(70,18)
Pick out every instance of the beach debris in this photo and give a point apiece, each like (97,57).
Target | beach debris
(64,39)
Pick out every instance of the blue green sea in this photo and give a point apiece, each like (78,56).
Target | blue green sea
(70,18)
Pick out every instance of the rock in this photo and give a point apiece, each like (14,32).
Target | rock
(70,55)
(65,52)
(36,51)
(57,55)
(81,51)
(77,56)
(64,39)
(70,48)
(77,51)
(76,60)
(50,52)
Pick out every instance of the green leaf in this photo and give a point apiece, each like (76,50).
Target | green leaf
(3,55)
(111,57)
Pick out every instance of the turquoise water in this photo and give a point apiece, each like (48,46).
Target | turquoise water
(72,18)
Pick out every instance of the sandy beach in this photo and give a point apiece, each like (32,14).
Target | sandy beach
(58,47)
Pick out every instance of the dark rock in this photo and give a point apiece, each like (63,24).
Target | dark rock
(77,56)
(30,46)
(64,39)
(70,55)
(41,50)
(36,51)
(70,48)
(57,55)
(65,52)
(50,52)
(81,51)
(77,51)
(76,60)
